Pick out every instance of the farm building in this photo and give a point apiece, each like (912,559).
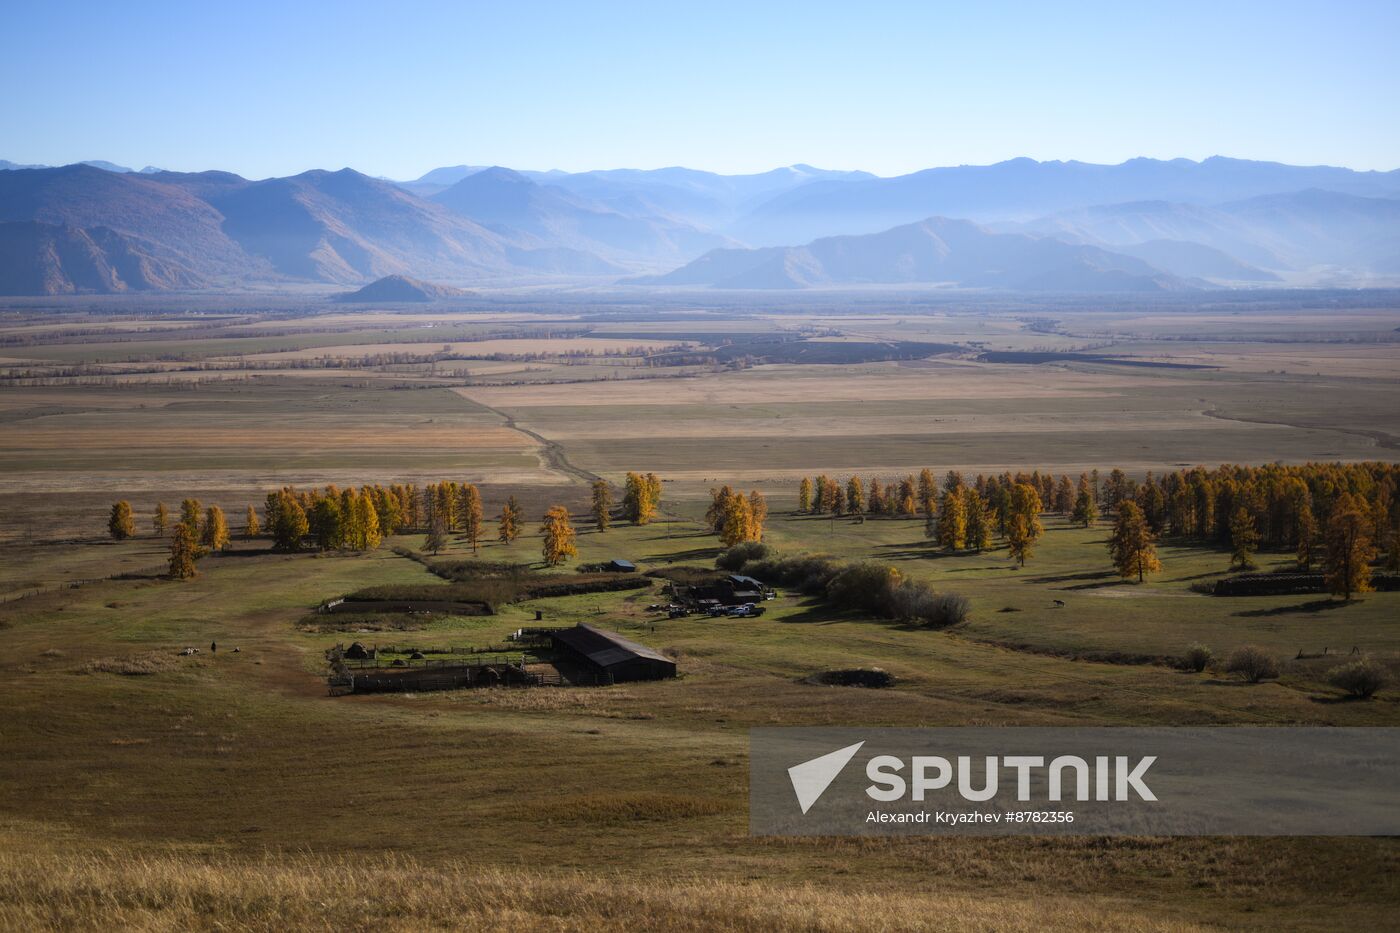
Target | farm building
(618,565)
(609,653)
(732,589)
(744,589)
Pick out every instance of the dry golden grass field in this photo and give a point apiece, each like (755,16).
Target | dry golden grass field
(140,788)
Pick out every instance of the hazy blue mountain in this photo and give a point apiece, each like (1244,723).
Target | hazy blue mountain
(933,251)
(704,199)
(1196,261)
(1223,221)
(1321,236)
(95,163)
(318,226)
(174,224)
(1022,189)
(400,288)
(59,259)
(1355,235)
(346,227)
(448,175)
(107,166)
(439,179)
(507,201)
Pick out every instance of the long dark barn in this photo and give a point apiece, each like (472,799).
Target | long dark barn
(609,653)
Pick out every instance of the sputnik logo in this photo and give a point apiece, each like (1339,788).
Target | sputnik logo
(811,778)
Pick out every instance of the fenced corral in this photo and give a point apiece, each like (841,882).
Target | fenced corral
(437,677)
(412,606)
(1290,584)
(575,656)
(448,676)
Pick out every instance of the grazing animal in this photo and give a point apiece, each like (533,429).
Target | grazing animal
(1059,604)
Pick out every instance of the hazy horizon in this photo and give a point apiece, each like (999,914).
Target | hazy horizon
(681,166)
(276,91)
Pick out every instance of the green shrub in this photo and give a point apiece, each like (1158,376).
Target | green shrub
(866,586)
(1360,678)
(916,601)
(805,573)
(740,554)
(1252,663)
(1197,657)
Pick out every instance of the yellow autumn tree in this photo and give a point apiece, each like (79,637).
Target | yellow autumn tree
(1132,545)
(190,510)
(367,532)
(509,521)
(1019,539)
(601,505)
(121,524)
(758,507)
(214,535)
(558,536)
(804,495)
(855,496)
(641,497)
(952,521)
(182,553)
(1347,563)
(472,515)
(738,522)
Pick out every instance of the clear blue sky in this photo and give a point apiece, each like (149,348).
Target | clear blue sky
(398,88)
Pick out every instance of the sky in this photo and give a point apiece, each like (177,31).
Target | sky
(396,89)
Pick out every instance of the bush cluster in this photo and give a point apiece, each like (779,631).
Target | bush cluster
(1252,663)
(740,554)
(866,586)
(1360,679)
(1197,657)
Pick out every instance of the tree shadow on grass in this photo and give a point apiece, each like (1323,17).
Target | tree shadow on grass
(1067,577)
(816,612)
(1316,605)
(1199,576)
(699,553)
(1337,700)
(663,535)
(1115,581)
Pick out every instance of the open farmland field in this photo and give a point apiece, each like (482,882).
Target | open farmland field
(776,421)
(231,787)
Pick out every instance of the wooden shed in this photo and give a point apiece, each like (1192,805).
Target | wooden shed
(609,653)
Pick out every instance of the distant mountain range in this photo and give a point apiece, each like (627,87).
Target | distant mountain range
(933,251)
(508,202)
(1142,225)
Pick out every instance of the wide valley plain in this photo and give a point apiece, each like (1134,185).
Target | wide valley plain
(142,786)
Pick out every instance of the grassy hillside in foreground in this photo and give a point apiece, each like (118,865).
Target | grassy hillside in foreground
(175,791)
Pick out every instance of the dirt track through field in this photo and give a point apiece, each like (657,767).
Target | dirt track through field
(552,451)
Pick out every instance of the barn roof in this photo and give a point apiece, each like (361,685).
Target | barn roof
(606,648)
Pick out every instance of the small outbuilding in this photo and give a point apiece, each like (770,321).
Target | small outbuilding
(618,565)
(609,653)
(744,589)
